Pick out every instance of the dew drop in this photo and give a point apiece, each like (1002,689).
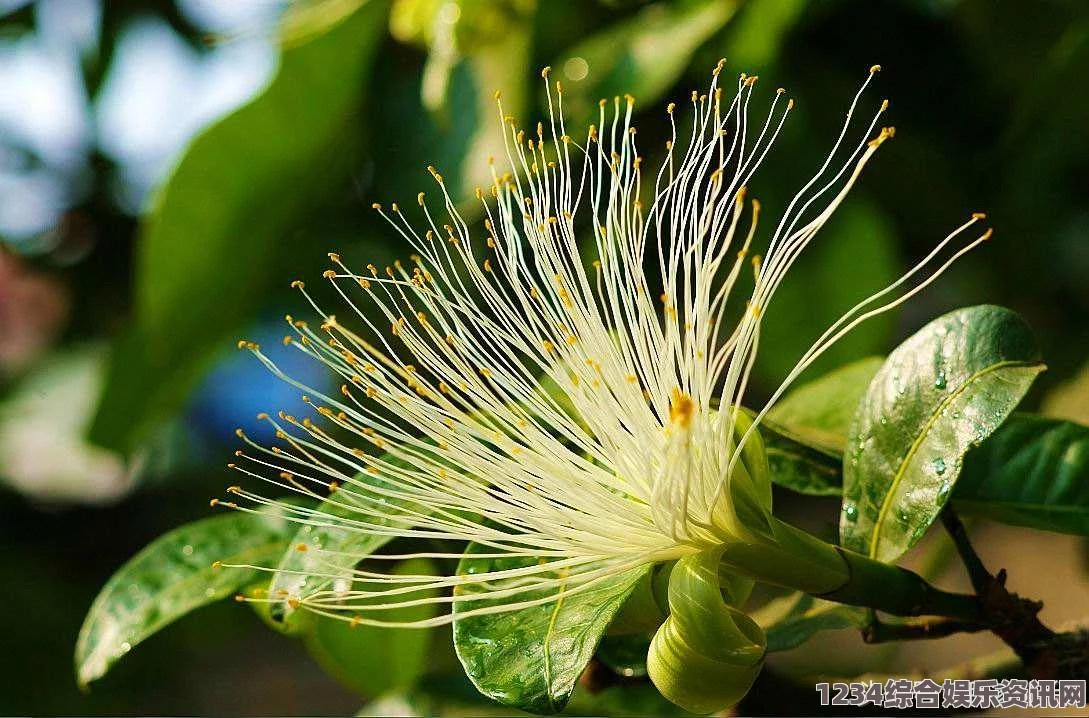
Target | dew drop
(126,647)
(187,550)
(943,490)
(939,466)
(939,381)
(850,511)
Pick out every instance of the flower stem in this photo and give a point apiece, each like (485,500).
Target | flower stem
(803,562)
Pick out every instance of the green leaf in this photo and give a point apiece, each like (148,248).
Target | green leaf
(800,467)
(331,550)
(531,658)
(644,55)
(1032,472)
(819,413)
(805,432)
(170,577)
(319,556)
(792,620)
(208,247)
(375,660)
(940,393)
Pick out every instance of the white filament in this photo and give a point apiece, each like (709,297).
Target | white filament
(444,428)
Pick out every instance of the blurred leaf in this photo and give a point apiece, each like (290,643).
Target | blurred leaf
(531,658)
(170,577)
(755,38)
(792,620)
(43,452)
(1069,400)
(940,393)
(1032,472)
(444,114)
(625,655)
(632,699)
(850,259)
(820,412)
(376,660)
(643,55)
(208,246)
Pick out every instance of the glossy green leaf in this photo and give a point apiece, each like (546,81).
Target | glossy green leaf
(792,620)
(371,659)
(240,189)
(805,432)
(643,55)
(170,577)
(707,654)
(940,393)
(532,658)
(1032,472)
(319,556)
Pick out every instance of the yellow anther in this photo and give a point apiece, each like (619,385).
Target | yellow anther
(681,408)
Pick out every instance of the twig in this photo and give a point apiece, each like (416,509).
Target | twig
(878,631)
(979,575)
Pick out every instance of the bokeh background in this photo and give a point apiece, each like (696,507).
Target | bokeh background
(167,167)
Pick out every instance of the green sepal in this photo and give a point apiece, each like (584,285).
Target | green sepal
(744,508)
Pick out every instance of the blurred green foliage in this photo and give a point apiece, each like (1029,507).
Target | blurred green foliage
(986,97)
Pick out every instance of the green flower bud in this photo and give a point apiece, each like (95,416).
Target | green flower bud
(708,652)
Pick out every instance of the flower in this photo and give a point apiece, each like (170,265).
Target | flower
(582,414)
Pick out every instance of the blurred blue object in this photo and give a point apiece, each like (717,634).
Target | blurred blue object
(240,387)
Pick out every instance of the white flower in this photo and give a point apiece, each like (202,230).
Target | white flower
(628,460)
